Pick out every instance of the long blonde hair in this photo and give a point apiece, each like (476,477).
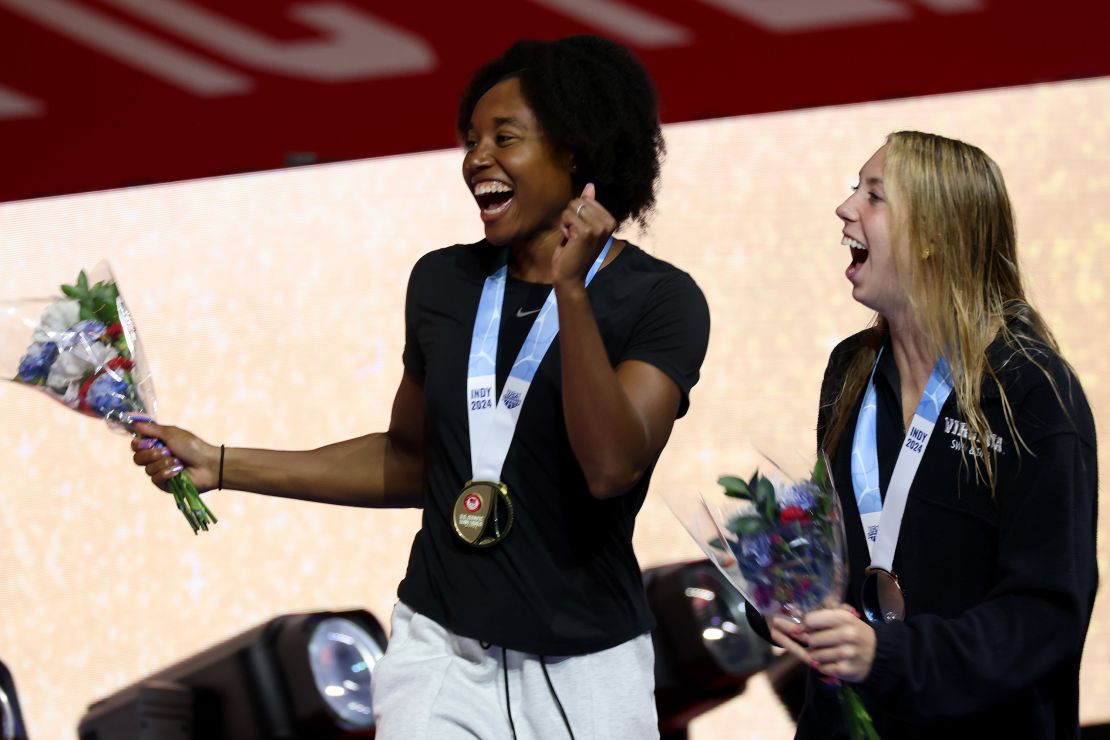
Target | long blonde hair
(955,247)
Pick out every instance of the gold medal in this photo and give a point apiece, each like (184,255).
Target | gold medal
(483,513)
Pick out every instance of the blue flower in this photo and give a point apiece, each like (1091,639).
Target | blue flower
(84,332)
(753,552)
(91,327)
(802,495)
(35,365)
(108,393)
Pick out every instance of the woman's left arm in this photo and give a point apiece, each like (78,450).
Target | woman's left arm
(618,419)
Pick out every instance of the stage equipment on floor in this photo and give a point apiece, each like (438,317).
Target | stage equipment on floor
(297,676)
(11,719)
(705,651)
(1095,732)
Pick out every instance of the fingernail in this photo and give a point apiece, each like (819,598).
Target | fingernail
(146,444)
(176,469)
(165,451)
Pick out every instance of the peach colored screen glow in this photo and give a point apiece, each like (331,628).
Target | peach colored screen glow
(270,306)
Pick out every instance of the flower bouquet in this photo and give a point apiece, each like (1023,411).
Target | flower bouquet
(780,542)
(84,352)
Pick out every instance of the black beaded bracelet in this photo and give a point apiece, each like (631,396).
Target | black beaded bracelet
(220,482)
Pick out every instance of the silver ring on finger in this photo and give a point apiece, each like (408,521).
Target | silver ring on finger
(578,210)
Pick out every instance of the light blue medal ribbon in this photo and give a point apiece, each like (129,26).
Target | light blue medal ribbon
(883,521)
(493,422)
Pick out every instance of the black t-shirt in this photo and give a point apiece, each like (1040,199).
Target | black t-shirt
(565,581)
(999,588)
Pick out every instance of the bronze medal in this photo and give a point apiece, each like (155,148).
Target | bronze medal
(483,513)
(881,597)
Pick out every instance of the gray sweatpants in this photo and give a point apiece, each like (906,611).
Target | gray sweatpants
(434,684)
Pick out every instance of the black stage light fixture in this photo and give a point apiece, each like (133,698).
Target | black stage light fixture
(11,719)
(294,677)
(705,651)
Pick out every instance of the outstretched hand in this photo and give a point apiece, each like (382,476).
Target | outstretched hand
(835,642)
(587,225)
(179,450)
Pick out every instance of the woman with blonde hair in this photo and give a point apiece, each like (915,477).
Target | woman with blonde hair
(964,452)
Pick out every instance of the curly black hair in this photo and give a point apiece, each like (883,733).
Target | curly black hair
(594,99)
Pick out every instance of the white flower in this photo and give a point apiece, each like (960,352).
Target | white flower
(58,316)
(77,363)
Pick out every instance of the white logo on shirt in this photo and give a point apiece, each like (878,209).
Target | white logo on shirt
(960,430)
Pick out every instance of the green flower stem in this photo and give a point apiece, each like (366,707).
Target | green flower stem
(189,502)
(179,500)
(860,726)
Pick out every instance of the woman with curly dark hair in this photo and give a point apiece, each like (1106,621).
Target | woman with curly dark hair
(544,369)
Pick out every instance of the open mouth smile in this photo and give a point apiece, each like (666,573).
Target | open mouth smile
(493,198)
(859,249)
(859,253)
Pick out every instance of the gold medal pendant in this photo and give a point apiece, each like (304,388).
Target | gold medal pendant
(483,513)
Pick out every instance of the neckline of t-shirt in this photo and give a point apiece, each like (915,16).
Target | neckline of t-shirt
(600,273)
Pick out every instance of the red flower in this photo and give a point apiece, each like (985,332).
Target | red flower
(119,361)
(114,330)
(795,514)
(84,391)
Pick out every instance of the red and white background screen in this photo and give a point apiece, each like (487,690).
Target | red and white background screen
(270,304)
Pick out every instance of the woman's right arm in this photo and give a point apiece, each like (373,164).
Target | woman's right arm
(377,470)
